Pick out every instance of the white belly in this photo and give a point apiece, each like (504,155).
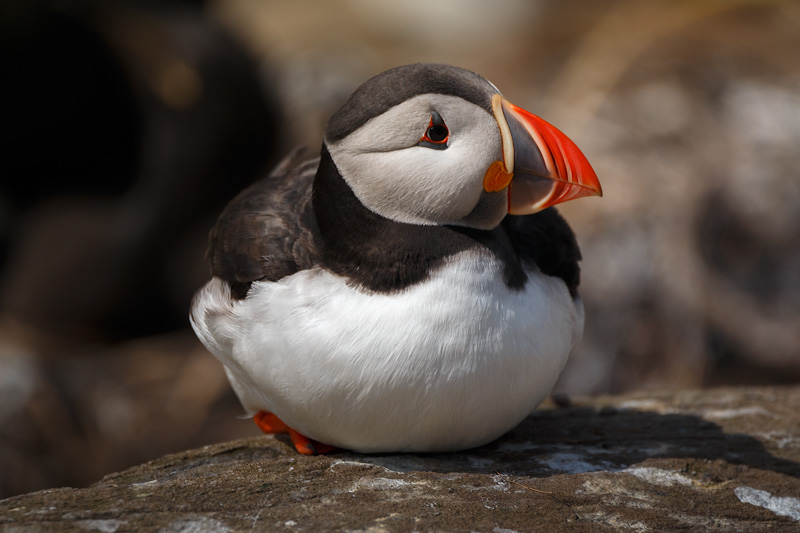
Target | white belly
(450,363)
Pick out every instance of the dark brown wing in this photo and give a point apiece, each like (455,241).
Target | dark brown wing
(268,231)
(546,240)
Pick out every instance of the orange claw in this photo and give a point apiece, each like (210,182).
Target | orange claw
(269,423)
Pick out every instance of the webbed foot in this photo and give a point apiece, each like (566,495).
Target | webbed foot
(269,423)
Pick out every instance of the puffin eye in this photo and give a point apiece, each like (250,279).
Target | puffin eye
(437,133)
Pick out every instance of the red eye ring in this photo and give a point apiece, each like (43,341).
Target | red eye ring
(437,134)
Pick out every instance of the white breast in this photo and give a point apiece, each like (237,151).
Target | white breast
(450,363)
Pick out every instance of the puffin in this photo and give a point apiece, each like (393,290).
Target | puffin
(412,289)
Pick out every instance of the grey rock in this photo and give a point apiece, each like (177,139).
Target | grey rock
(718,460)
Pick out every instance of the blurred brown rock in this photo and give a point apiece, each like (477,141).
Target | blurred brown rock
(70,416)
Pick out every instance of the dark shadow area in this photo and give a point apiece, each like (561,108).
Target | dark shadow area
(577,440)
(127,126)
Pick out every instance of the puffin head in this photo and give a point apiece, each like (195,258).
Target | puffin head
(434,145)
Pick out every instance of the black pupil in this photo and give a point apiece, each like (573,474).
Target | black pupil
(437,133)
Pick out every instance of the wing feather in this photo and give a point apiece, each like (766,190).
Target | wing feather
(268,231)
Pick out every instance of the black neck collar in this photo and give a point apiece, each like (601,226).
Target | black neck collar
(383,255)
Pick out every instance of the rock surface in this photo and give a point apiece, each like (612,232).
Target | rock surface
(725,459)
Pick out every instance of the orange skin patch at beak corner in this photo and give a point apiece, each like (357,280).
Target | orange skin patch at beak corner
(496,177)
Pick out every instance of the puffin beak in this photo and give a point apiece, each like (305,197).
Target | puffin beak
(541,166)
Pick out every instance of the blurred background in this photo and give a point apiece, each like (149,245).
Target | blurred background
(127,125)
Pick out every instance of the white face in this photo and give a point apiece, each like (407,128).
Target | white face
(395,176)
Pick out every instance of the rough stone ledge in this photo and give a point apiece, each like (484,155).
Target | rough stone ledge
(725,459)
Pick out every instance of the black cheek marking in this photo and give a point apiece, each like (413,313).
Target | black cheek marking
(436,119)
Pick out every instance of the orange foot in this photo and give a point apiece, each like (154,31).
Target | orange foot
(269,423)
